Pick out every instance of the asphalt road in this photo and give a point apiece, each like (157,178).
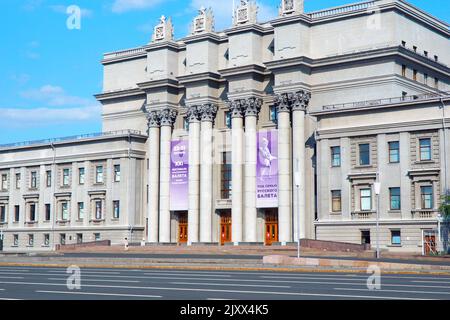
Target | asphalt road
(117,284)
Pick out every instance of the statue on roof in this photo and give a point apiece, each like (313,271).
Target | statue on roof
(204,22)
(163,30)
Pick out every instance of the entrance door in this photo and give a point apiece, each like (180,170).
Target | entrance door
(225,227)
(182,227)
(271,228)
(429,243)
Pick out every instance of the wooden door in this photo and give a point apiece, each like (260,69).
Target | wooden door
(225,228)
(430,244)
(271,227)
(182,227)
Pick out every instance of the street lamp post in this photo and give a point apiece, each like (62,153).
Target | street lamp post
(377,187)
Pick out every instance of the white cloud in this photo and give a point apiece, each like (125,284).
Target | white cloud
(54,96)
(85,13)
(120,6)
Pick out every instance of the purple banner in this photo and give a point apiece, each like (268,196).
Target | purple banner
(179,175)
(267,170)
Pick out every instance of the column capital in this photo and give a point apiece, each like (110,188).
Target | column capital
(292,101)
(167,117)
(193,113)
(252,106)
(208,112)
(301,100)
(153,119)
(235,107)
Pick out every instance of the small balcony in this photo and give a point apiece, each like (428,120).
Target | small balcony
(424,214)
(363,215)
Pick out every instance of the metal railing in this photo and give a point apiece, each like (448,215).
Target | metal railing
(343,9)
(70,138)
(387,101)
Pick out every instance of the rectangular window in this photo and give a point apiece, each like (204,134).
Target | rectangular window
(46,240)
(97,236)
(15,240)
(62,239)
(395,199)
(47,212)
(273,114)
(33,183)
(365,237)
(2,213)
(48,179)
(79,238)
(425,79)
(98,210)
(426,194)
(64,211)
(225,172)
(116,208)
(99,174)
(396,238)
(66,176)
(436,83)
(18,179)
(425,149)
(364,154)
(336,201)
(81,174)
(415,75)
(335,156)
(30,240)
(16,213)
(80,211)
(4,182)
(228,119)
(117,173)
(403,71)
(32,212)
(366,199)
(394,152)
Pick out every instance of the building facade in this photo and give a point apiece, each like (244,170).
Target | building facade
(261,133)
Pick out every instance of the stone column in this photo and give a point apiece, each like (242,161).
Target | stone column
(284,169)
(251,110)
(153,176)
(299,105)
(167,119)
(208,113)
(236,170)
(194,175)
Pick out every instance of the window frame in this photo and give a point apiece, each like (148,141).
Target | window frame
(423,196)
(64,212)
(333,198)
(116,209)
(33,180)
(99,178)
(333,154)
(391,149)
(117,173)
(396,236)
(391,195)
(48,212)
(427,148)
(65,182)
(81,176)
(226,185)
(360,152)
(362,197)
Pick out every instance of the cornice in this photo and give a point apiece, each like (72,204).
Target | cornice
(204,76)
(170,45)
(162,83)
(254,28)
(206,36)
(247,69)
(119,94)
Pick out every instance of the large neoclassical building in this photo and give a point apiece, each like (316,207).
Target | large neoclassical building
(260,133)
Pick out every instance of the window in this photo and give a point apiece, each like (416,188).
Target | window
(335,156)
(116,208)
(46,240)
(394,152)
(62,239)
(336,203)
(47,212)
(436,83)
(30,240)
(81,173)
(18,179)
(425,79)
(33,184)
(97,236)
(366,199)
(15,240)
(64,211)
(228,119)
(66,175)
(48,179)
(403,70)
(425,149)
(365,237)
(2,213)
(32,212)
(394,198)
(117,173)
(226,175)
(16,213)
(4,182)
(98,210)
(396,238)
(99,174)
(80,211)
(426,195)
(415,75)
(364,154)
(273,114)
(79,238)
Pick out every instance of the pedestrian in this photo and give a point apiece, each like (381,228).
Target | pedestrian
(126,244)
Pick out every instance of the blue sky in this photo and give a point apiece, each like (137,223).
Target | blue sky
(49,74)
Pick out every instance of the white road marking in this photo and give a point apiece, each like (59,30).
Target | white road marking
(398,291)
(187,274)
(218,299)
(7,277)
(423,281)
(218,290)
(97,280)
(99,294)
(229,284)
